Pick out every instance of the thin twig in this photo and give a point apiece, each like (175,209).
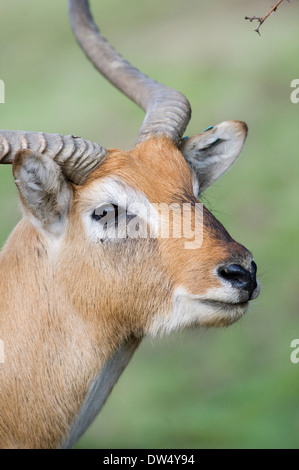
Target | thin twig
(262,20)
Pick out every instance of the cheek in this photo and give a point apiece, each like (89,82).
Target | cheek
(136,279)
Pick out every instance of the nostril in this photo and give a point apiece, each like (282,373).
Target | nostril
(253,268)
(253,274)
(237,276)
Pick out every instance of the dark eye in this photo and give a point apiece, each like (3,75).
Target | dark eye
(103,211)
(96,216)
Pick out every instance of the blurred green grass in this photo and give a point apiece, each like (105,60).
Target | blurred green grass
(232,388)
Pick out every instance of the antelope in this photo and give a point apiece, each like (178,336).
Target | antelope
(75,300)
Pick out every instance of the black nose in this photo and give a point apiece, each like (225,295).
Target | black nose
(240,277)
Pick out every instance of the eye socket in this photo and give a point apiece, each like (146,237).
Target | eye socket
(110,223)
(111,217)
(104,210)
(96,217)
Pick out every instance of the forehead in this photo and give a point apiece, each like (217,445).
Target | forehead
(155,167)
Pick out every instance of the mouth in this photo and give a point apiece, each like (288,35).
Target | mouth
(223,313)
(227,306)
(230,308)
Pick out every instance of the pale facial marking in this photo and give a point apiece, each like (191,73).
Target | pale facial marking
(219,305)
(111,198)
(113,191)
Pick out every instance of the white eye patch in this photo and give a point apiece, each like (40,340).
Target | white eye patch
(116,222)
(116,212)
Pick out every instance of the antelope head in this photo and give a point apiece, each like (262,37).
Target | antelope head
(78,196)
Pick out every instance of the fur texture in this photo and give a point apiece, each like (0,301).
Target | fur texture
(68,302)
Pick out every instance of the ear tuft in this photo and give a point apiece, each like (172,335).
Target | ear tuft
(212,153)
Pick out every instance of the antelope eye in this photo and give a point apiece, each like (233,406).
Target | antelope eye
(109,211)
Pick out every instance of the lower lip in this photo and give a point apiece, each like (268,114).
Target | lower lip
(224,305)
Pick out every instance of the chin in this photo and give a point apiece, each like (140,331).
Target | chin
(219,314)
(189,311)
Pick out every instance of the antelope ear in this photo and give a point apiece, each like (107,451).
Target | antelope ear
(213,152)
(44,192)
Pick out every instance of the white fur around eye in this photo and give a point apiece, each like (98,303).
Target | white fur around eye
(112,191)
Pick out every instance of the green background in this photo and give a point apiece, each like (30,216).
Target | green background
(228,388)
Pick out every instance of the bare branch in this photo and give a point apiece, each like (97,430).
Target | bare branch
(262,20)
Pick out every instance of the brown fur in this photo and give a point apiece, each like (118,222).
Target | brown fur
(157,169)
(65,310)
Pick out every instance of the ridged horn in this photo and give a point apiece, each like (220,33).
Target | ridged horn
(77,157)
(167,110)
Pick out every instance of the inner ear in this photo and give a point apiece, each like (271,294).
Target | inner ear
(44,192)
(212,153)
